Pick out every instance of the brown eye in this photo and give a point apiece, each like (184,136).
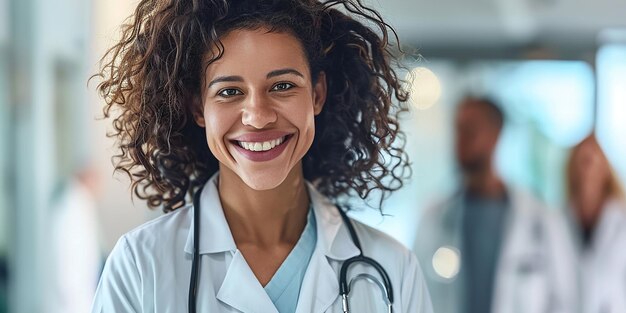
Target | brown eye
(229,92)
(282,86)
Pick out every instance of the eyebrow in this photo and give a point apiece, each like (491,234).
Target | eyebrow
(271,74)
(283,72)
(225,79)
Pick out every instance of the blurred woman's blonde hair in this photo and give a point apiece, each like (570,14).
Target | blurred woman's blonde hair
(615,187)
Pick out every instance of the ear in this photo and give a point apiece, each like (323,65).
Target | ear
(197,111)
(319,93)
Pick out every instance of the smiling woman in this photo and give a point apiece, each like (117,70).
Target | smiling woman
(266,113)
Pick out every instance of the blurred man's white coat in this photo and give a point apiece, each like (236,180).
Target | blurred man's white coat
(490,247)
(530,276)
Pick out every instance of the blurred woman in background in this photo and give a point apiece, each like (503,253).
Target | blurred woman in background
(599,207)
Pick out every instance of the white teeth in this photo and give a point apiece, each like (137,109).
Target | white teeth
(261,146)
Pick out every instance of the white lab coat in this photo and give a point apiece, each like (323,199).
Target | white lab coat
(603,263)
(534,274)
(149,268)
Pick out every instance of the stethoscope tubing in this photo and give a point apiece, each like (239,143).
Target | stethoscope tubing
(195,265)
(344,288)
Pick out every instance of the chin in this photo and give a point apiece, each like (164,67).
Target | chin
(263,181)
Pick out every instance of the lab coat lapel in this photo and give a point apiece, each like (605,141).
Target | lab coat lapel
(241,289)
(333,237)
(504,289)
(215,235)
(320,287)
(608,228)
(520,267)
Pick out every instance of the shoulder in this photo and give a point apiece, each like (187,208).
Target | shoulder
(378,241)
(615,209)
(539,221)
(139,255)
(532,209)
(440,206)
(526,202)
(162,233)
(388,251)
(437,219)
(401,265)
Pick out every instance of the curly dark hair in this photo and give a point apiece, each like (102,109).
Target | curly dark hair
(151,76)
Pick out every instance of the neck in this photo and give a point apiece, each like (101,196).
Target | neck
(264,218)
(485,184)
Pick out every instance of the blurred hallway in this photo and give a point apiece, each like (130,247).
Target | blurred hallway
(557,67)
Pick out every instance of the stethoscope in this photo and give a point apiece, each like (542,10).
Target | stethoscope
(344,285)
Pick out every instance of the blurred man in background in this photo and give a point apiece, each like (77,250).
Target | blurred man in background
(599,207)
(490,247)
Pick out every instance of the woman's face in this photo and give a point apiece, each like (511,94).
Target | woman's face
(258,106)
(588,182)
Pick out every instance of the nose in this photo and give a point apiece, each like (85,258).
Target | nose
(258,111)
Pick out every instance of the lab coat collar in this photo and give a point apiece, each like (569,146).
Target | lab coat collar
(213,225)
(333,236)
(240,281)
(612,218)
(320,286)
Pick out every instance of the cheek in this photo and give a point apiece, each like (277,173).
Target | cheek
(218,123)
(593,175)
(304,120)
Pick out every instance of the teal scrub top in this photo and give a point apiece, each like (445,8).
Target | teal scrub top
(284,287)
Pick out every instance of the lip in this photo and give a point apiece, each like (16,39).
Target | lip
(261,156)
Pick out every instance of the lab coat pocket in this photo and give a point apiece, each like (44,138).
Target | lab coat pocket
(532,285)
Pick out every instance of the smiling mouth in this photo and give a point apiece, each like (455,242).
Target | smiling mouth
(264,145)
